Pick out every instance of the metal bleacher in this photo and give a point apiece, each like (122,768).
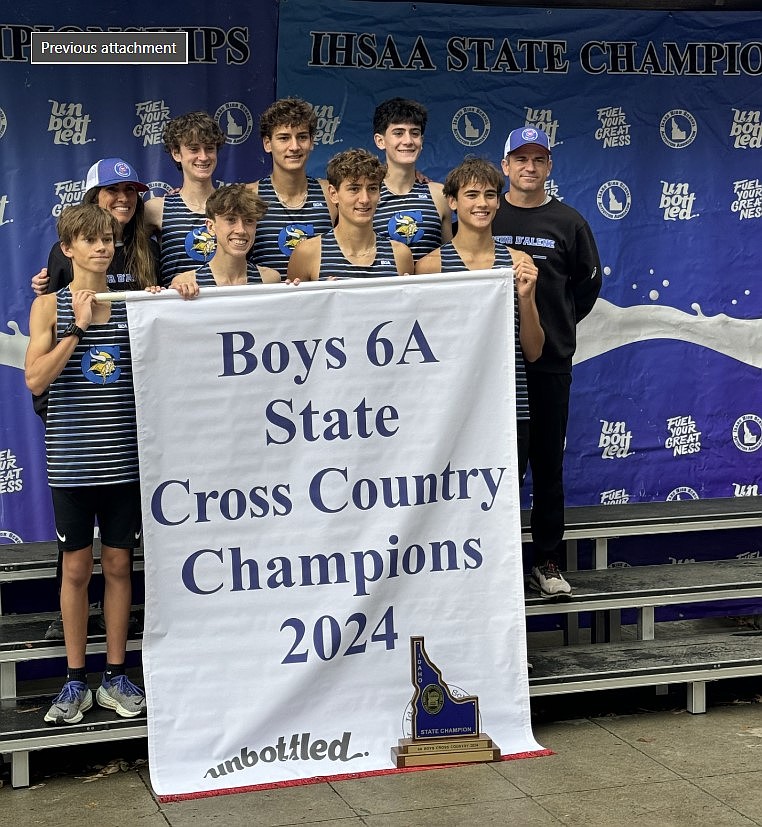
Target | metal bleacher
(606,663)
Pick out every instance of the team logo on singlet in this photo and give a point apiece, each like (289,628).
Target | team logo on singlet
(200,244)
(292,235)
(100,364)
(406,227)
(3,123)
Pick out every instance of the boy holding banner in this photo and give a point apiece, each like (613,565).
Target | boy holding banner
(232,213)
(352,249)
(473,189)
(80,349)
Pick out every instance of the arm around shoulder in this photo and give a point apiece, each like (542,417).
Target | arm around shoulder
(185,283)
(517,256)
(185,277)
(59,270)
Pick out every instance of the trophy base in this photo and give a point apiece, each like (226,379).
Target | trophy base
(431,752)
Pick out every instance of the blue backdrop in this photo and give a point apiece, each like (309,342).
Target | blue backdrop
(657,140)
(55,121)
(655,124)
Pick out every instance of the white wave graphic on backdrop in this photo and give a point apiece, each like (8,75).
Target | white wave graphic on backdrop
(13,346)
(609,327)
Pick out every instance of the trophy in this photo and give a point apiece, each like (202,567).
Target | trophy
(445,728)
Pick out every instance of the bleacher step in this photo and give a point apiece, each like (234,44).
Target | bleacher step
(35,561)
(658,585)
(22,730)
(710,514)
(22,719)
(22,637)
(583,668)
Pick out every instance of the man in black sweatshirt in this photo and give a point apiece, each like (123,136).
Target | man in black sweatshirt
(562,245)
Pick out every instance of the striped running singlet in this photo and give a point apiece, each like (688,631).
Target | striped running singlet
(186,244)
(452,263)
(91,435)
(412,219)
(205,277)
(280,229)
(333,263)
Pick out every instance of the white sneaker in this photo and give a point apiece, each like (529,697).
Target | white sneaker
(549,582)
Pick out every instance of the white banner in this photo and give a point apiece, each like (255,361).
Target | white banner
(327,471)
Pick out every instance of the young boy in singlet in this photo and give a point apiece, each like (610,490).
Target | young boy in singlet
(298,206)
(193,141)
(413,213)
(79,348)
(232,213)
(352,249)
(473,189)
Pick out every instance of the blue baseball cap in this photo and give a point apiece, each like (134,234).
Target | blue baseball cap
(110,171)
(526,135)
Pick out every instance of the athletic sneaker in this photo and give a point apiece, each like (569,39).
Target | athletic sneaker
(121,695)
(74,699)
(549,582)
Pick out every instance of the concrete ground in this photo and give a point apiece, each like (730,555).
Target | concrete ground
(629,757)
